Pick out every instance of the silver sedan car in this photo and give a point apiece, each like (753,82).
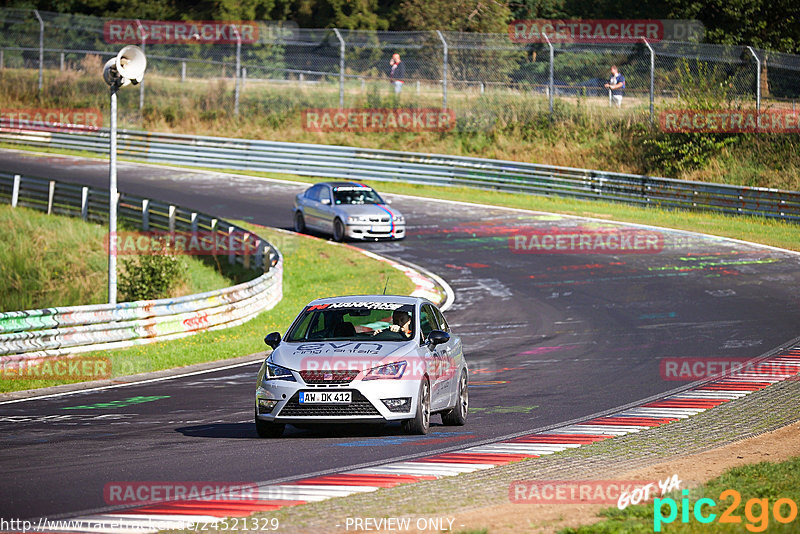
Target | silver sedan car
(347,210)
(363,359)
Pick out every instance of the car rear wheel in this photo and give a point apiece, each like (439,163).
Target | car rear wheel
(338,230)
(458,415)
(267,429)
(422,419)
(299,222)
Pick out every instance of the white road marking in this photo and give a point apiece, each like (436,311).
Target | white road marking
(137,383)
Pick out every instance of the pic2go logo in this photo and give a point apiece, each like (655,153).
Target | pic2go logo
(756,511)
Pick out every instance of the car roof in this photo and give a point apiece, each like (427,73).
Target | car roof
(344,184)
(395,299)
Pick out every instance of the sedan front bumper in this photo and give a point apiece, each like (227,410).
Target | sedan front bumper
(366,403)
(372,231)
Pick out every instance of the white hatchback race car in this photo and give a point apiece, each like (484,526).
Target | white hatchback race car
(363,359)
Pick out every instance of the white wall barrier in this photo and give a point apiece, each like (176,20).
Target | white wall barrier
(45,332)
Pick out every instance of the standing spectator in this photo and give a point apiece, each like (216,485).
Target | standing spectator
(397,73)
(617,85)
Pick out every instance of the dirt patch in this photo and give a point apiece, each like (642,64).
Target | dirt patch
(775,446)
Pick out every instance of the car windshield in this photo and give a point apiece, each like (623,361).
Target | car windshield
(380,321)
(356,195)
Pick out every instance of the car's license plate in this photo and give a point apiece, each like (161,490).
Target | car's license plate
(326,397)
(381,229)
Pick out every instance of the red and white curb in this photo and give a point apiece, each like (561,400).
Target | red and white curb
(178,514)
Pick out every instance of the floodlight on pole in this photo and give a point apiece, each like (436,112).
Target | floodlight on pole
(126,68)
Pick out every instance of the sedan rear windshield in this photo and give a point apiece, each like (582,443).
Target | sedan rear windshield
(392,322)
(356,195)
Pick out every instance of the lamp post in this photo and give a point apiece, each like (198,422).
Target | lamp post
(126,68)
(112,200)
(143,36)
(550,87)
(237,75)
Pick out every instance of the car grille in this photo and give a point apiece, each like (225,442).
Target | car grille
(360,406)
(379,219)
(328,377)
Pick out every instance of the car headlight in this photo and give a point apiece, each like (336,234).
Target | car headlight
(356,219)
(391,370)
(276,372)
(399,219)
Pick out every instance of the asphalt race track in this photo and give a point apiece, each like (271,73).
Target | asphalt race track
(549,336)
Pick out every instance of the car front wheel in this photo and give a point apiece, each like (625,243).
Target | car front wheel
(422,419)
(266,429)
(338,230)
(458,415)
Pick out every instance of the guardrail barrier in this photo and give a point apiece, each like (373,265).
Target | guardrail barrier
(45,332)
(350,163)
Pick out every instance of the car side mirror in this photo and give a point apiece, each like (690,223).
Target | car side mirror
(437,337)
(388,201)
(273,339)
(326,201)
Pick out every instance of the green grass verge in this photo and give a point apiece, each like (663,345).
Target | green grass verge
(55,260)
(313,268)
(765,481)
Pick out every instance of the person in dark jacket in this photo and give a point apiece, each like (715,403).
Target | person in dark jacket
(397,73)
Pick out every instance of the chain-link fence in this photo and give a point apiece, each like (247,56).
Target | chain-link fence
(481,77)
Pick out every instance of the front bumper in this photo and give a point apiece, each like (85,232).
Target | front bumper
(375,231)
(366,406)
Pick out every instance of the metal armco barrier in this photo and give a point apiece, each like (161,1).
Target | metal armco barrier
(67,330)
(351,163)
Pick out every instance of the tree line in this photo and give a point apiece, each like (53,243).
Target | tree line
(770,24)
